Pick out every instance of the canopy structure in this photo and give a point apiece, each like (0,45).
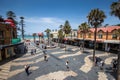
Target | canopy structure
(40,34)
(11,22)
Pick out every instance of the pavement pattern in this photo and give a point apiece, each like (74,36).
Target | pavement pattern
(81,66)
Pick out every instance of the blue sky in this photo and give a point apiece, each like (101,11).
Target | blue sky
(42,14)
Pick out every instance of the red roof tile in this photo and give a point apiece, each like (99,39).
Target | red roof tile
(105,29)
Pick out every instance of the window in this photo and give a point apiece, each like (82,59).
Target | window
(81,35)
(1,37)
(89,35)
(100,36)
(114,36)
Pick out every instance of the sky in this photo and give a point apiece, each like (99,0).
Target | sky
(42,14)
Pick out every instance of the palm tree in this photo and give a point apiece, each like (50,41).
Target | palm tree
(95,18)
(11,15)
(22,26)
(40,35)
(67,28)
(1,19)
(60,34)
(48,34)
(34,36)
(84,28)
(115,10)
(51,36)
(118,67)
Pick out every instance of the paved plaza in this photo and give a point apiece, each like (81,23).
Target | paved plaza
(81,65)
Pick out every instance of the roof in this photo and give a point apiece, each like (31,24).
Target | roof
(105,29)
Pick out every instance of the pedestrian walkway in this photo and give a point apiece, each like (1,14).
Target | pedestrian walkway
(81,66)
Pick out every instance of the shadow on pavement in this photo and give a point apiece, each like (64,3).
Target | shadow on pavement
(110,71)
(10,59)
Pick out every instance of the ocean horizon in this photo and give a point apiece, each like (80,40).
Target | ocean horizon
(30,37)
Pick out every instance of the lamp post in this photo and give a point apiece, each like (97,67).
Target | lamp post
(22,25)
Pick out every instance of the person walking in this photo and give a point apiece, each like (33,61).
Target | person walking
(114,65)
(35,51)
(67,66)
(45,57)
(96,61)
(80,46)
(101,64)
(32,52)
(27,69)
(45,54)
(108,49)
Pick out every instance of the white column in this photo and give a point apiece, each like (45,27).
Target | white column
(106,46)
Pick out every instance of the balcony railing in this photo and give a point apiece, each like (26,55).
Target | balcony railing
(16,40)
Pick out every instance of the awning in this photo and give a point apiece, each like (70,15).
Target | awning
(112,41)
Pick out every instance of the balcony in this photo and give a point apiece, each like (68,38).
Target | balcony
(16,40)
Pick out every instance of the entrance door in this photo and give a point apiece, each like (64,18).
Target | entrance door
(3,54)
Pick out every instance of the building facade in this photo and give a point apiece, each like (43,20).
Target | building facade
(8,40)
(106,37)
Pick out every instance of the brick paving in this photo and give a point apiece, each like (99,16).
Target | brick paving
(81,66)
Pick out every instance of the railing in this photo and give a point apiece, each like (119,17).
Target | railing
(16,40)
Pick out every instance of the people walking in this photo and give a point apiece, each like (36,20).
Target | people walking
(27,69)
(67,66)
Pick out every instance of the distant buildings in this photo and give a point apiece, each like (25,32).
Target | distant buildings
(106,37)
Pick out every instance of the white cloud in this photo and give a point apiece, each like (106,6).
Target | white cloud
(40,24)
(35,24)
(44,20)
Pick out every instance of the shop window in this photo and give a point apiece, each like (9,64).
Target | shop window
(100,36)
(114,36)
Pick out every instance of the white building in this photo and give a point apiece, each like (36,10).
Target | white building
(55,33)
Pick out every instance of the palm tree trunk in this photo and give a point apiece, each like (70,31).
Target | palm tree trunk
(118,67)
(83,41)
(34,39)
(39,39)
(94,43)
